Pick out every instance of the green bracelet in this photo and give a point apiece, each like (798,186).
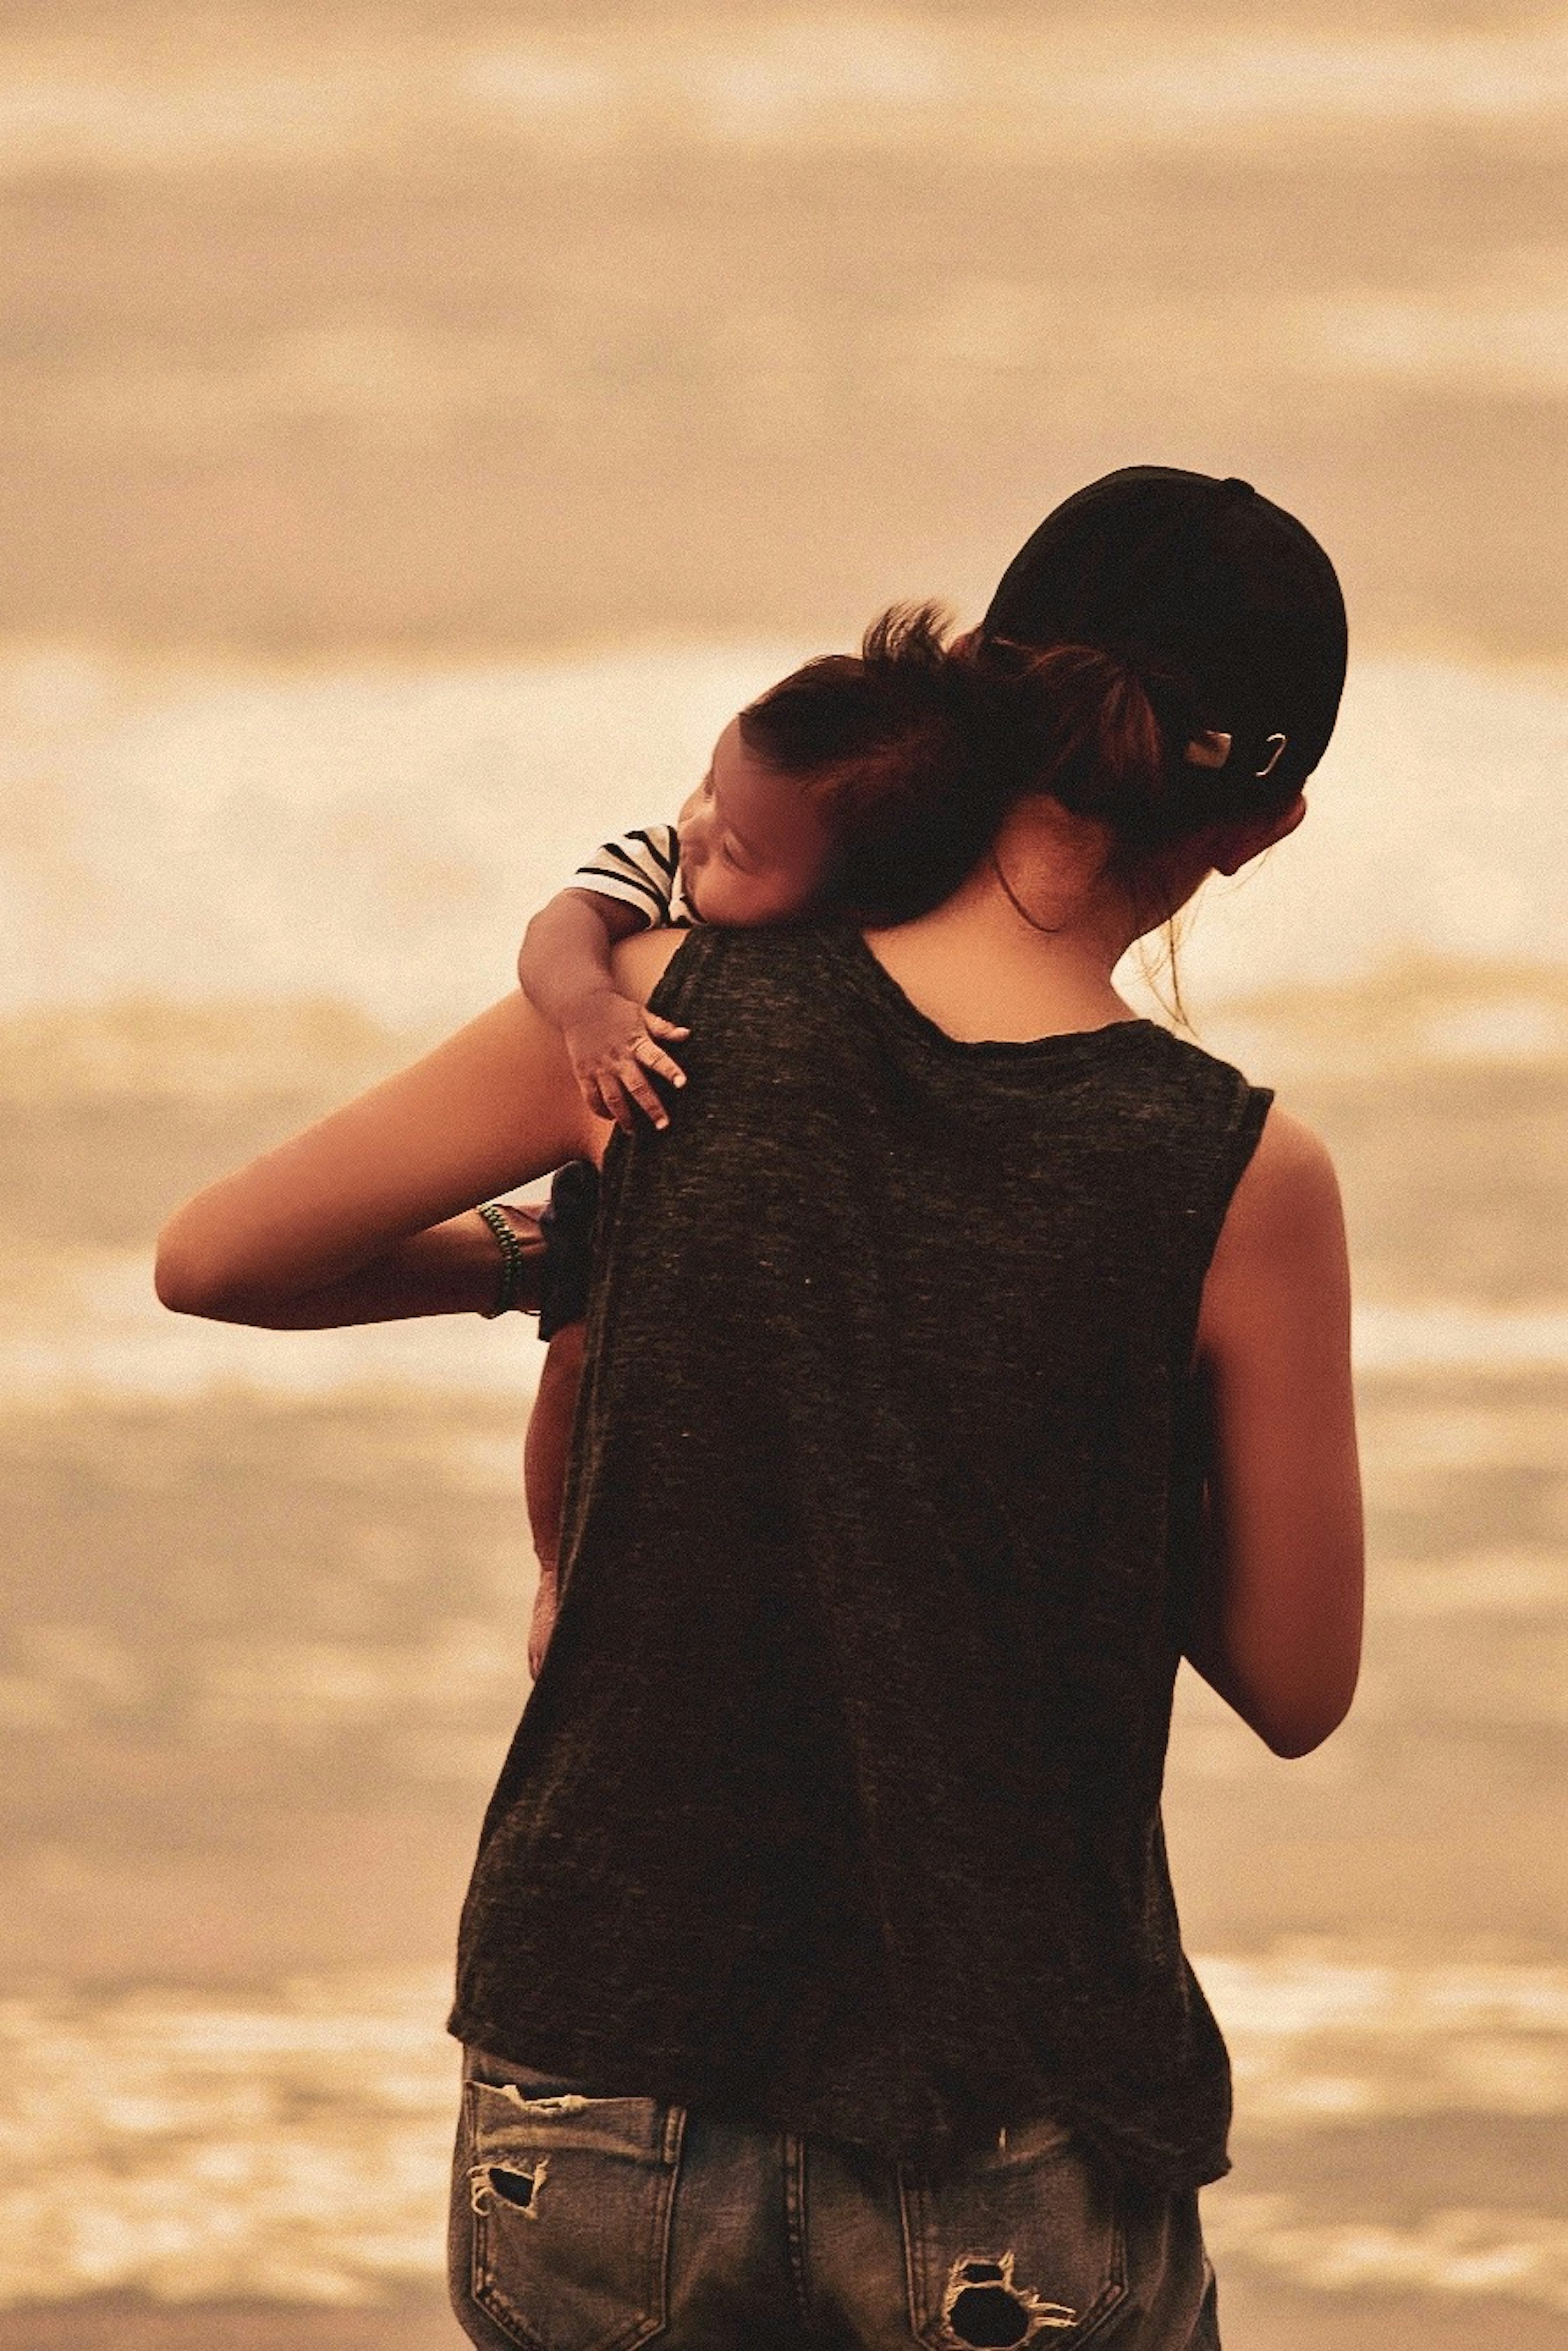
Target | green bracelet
(514,1261)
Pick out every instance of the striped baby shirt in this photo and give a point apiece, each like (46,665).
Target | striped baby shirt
(643,870)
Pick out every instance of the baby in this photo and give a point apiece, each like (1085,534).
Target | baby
(865,783)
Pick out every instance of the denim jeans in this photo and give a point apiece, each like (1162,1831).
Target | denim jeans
(602,2224)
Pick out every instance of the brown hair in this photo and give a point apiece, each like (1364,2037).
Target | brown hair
(904,749)
(916,749)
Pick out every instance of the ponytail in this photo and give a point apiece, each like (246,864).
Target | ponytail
(1110,737)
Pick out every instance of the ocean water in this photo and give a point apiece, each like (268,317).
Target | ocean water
(855,78)
(90,1330)
(295,2147)
(222,883)
(336,1636)
(376,837)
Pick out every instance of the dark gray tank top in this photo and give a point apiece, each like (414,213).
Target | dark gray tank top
(836,1805)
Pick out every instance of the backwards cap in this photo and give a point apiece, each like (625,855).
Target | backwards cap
(1185,573)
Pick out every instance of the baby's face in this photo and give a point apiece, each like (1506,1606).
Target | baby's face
(753,848)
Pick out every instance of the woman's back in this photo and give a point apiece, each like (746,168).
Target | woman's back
(837,1803)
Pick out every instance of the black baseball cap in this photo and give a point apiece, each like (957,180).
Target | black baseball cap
(1203,578)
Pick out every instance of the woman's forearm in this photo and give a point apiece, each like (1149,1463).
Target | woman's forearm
(453,1267)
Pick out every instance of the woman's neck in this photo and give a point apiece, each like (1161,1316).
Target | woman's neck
(1026,946)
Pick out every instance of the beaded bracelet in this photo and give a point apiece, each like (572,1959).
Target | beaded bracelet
(514,1261)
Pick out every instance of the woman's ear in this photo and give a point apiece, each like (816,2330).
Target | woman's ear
(1245,838)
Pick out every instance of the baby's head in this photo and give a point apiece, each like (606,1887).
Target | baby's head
(754,846)
(847,776)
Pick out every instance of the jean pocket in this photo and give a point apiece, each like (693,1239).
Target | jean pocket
(1020,2244)
(571,2200)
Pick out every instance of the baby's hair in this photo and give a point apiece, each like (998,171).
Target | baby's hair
(914,751)
(900,748)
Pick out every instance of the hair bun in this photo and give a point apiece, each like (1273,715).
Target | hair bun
(1107,736)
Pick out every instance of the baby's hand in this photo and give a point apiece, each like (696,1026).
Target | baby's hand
(614,1049)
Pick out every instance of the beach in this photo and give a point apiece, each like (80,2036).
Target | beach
(421,429)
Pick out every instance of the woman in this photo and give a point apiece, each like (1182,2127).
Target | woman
(966,1351)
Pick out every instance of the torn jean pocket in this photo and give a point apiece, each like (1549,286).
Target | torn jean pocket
(571,2198)
(1021,2245)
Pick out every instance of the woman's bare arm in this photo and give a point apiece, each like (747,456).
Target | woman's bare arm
(451,1269)
(1277,1630)
(360,1218)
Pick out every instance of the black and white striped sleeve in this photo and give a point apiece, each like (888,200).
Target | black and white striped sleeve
(642,869)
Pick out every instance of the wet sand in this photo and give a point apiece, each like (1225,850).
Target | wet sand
(228,2327)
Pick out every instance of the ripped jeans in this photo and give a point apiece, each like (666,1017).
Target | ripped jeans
(602,2224)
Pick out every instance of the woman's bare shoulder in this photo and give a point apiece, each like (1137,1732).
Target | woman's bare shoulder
(1289,1182)
(1283,1236)
(640,962)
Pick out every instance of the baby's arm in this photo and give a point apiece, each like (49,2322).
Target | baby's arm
(611,1041)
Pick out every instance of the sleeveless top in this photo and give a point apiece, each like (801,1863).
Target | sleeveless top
(836,1806)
